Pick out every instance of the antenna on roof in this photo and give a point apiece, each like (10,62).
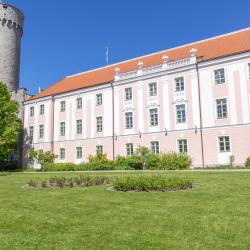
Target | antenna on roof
(107,55)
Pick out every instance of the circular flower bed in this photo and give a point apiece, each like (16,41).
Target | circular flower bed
(61,181)
(151,183)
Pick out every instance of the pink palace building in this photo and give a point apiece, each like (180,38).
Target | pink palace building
(194,98)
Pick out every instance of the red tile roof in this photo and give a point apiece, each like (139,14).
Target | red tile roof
(232,43)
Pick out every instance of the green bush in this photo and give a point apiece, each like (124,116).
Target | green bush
(61,181)
(143,158)
(247,163)
(173,161)
(151,183)
(98,162)
(3,173)
(59,167)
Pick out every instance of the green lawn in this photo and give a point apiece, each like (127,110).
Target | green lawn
(215,216)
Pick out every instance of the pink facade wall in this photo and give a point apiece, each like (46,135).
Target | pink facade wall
(237,126)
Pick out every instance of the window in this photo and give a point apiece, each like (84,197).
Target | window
(79,103)
(152,89)
(219,76)
(153,117)
(99,149)
(42,109)
(99,124)
(62,106)
(180,113)
(129,149)
(62,153)
(182,146)
(221,106)
(78,152)
(41,131)
(31,111)
(79,127)
(128,94)
(154,145)
(224,144)
(98,99)
(128,120)
(31,132)
(62,128)
(179,84)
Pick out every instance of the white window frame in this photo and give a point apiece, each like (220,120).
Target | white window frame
(31,134)
(248,71)
(62,128)
(128,94)
(79,127)
(179,84)
(220,80)
(79,103)
(227,108)
(153,122)
(41,110)
(129,148)
(41,131)
(32,111)
(152,89)
(129,121)
(62,106)
(153,149)
(99,101)
(99,124)
(176,114)
(183,146)
(99,148)
(79,152)
(62,153)
(218,141)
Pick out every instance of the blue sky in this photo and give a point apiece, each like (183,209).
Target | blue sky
(67,37)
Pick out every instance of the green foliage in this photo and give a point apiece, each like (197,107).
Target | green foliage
(142,159)
(98,162)
(9,123)
(247,163)
(61,181)
(173,161)
(60,167)
(151,183)
(3,173)
(42,158)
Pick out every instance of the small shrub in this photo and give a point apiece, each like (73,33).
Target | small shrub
(60,181)
(247,163)
(173,161)
(43,184)
(151,183)
(32,183)
(59,167)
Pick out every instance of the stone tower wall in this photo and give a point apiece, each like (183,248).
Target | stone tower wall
(11,30)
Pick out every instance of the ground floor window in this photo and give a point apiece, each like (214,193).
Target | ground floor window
(154,145)
(99,149)
(182,146)
(224,144)
(129,149)
(79,153)
(62,153)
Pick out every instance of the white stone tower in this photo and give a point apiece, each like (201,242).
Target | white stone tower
(11,30)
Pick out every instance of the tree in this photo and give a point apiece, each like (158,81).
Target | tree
(9,123)
(41,157)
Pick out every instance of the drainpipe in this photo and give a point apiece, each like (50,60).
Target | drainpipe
(52,124)
(113,121)
(200,113)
